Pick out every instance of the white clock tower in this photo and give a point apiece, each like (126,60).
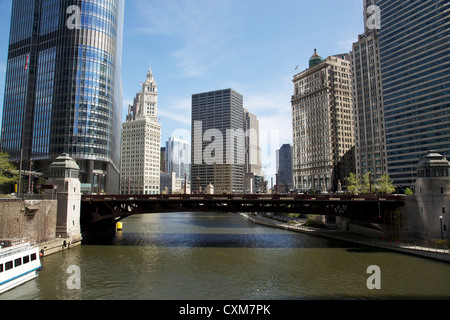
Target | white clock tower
(141,142)
(149,102)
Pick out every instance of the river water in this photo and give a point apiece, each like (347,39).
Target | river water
(204,256)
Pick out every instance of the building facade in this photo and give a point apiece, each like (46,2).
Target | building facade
(178,158)
(218,141)
(284,167)
(370,139)
(141,143)
(63,87)
(253,167)
(414,58)
(323,142)
(252,147)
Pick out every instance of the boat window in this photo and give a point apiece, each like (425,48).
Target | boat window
(8,265)
(17,262)
(33,256)
(1,267)
(26,259)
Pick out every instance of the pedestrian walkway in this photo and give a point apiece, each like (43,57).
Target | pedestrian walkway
(404,247)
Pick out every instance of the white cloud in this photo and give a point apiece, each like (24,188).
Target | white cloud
(203,27)
(178,110)
(273,110)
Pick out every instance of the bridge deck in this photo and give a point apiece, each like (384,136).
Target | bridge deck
(370,208)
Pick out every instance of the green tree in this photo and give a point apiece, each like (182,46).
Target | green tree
(385,184)
(367,186)
(353,184)
(8,173)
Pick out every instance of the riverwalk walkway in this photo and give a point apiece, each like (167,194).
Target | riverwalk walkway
(404,247)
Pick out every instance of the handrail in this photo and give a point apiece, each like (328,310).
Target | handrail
(280,197)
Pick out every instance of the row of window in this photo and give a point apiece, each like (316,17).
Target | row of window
(17,262)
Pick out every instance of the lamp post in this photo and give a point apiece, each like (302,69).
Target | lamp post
(198,185)
(442,232)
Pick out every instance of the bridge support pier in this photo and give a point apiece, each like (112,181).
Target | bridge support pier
(64,176)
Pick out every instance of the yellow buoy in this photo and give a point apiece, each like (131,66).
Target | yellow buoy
(119,226)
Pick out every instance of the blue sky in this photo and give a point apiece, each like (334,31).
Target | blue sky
(251,46)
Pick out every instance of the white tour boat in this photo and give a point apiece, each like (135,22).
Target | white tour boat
(19,263)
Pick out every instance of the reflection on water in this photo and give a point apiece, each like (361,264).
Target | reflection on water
(223,256)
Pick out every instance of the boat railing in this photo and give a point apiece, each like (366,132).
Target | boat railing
(10,250)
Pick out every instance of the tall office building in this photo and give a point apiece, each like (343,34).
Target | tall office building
(252,148)
(178,158)
(253,167)
(323,142)
(218,141)
(63,87)
(141,143)
(284,165)
(370,140)
(415,67)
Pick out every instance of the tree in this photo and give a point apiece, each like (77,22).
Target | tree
(385,184)
(367,186)
(8,173)
(353,184)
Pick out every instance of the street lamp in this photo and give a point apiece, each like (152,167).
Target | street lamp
(198,185)
(442,232)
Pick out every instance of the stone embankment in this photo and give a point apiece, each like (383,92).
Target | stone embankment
(408,248)
(34,220)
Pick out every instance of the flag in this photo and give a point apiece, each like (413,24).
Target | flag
(296,67)
(26,62)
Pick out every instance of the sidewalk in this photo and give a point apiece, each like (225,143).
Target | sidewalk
(427,252)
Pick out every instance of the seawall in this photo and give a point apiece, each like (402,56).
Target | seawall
(34,220)
(339,234)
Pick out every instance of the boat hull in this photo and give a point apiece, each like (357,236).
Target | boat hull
(15,282)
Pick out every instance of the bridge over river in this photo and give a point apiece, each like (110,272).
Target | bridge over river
(100,209)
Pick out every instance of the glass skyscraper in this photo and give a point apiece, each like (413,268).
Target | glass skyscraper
(218,141)
(63,86)
(414,38)
(178,158)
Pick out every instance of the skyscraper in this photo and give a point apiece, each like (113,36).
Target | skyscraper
(415,67)
(252,148)
(323,140)
(218,141)
(178,158)
(141,143)
(370,140)
(284,165)
(63,87)
(253,168)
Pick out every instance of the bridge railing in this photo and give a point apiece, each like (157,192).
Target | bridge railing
(304,197)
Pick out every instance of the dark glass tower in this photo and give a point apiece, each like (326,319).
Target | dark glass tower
(63,87)
(284,165)
(218,141)
(414,39)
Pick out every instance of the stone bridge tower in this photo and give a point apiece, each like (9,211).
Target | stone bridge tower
(432,192)
(64,173)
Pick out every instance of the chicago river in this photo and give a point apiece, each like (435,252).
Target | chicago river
(201,256)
